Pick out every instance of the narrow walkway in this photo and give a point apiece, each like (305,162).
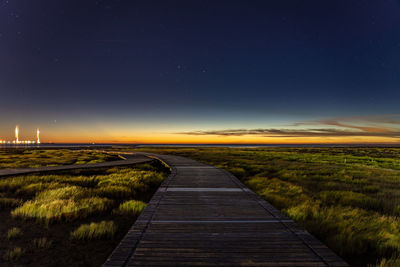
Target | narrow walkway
(202,215)
(130,159)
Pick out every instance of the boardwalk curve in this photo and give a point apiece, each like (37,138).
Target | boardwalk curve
(130,159)
(204,216)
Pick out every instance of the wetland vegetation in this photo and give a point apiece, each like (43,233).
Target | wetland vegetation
(32,158)
(77,215)
(349,197)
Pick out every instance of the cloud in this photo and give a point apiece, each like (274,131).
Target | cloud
(362,126)
(319,132)
(390,119)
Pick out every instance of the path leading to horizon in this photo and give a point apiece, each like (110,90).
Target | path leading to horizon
(130,159)
(202,215)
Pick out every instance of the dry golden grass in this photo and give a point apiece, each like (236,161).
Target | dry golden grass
(48,208)
(14,233)
(102,230)
(131,207)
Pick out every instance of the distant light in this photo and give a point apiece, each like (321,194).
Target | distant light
(17,134)
(38,136)
(17,141)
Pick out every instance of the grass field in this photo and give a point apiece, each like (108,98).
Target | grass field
(31,158)
(348,197)
(78,216)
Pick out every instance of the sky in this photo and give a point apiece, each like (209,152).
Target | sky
(201,71)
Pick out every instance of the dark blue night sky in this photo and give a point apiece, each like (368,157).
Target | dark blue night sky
(175,67)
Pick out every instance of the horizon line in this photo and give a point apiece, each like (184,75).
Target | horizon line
(207,144)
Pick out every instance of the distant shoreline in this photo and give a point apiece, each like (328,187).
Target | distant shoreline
(77,145)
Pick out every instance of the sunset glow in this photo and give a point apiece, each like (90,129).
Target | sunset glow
(265,72)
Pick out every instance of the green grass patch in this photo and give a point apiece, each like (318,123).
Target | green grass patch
(102,230)
(63,204)
(33,158)
(131,207)
(348,198)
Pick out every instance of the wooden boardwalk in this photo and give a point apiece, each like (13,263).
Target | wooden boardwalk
(130,159)
(204,216)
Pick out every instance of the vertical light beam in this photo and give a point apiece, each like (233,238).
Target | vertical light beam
(37,135)
(16,134)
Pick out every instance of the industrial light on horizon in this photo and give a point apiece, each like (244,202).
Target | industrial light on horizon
(37,136)
(17,140)
(17,134)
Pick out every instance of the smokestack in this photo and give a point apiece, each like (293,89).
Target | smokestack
(16,134)
(37,135)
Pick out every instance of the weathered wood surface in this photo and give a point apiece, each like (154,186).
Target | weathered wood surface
(130,159)
(204,216)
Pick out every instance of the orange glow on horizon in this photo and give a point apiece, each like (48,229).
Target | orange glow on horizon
(167,138)
(182,134)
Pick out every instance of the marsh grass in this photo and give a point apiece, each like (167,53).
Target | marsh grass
(59,198)
(56,210)
(42,243)
(13,254)
(350,231)
(31,158)
(102,230)
(130,207)
(14,233)
(67,203)
(348,197)
(391,262)
(6,202)
(48,207)
(114,191)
